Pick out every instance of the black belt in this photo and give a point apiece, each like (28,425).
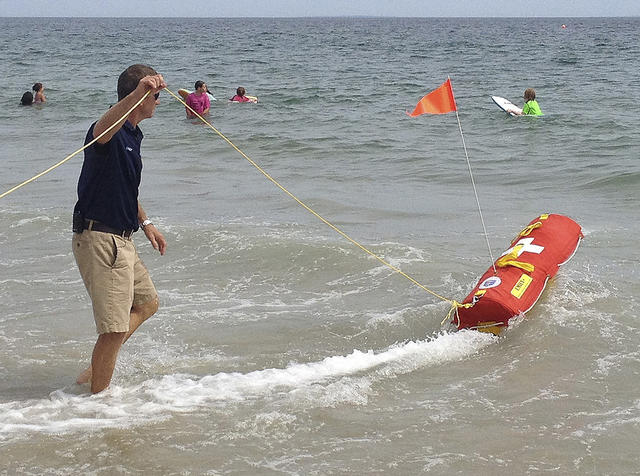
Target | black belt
(97,226)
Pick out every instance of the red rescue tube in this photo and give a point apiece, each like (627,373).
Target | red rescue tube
(521,274)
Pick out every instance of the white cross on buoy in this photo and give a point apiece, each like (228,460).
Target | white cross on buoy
(525,244)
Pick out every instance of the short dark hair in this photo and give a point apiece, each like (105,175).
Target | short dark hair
(199,84)
(27,99)
(240,91)
(37,87)
(130,77)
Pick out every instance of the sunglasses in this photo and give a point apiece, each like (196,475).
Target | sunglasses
(156,96)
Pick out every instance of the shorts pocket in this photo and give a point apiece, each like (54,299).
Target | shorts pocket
(119,252)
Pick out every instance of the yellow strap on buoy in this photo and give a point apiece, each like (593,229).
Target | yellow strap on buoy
(511,259)
(528,229)
(516,264)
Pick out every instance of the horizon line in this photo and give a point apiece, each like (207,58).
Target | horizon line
(326,16)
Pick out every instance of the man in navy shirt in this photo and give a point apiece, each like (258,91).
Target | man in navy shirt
(105,216)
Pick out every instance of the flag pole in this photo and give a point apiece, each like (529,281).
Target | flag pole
(475,191)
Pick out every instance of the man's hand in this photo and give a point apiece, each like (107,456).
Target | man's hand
(154,83)
(155,238)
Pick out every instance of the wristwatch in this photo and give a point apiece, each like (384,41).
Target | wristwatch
(145,223)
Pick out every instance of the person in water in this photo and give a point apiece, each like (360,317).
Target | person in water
(105,216)
(27,99)
(198,100)
(531,107)
(39,96)
(240,96)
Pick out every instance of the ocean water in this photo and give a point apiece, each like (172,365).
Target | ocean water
(279,346)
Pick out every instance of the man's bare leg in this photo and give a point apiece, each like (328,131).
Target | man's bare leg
(103,360)
(138,315)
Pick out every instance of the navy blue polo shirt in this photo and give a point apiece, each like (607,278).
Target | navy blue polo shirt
(110,178)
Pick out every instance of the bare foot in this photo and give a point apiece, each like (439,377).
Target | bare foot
(84,377)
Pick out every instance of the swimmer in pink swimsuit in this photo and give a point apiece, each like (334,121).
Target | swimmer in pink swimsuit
(198,100)
(240,96)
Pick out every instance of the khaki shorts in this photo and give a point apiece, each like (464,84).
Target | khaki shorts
(115,277)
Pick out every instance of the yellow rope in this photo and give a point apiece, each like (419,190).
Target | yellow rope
(35,177)
(454,304)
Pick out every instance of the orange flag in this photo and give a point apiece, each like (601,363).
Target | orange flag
(439,101)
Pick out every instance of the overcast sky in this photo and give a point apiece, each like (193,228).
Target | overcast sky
(303,8)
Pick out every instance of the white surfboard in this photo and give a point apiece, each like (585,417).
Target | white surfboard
(506,105)
(253,99)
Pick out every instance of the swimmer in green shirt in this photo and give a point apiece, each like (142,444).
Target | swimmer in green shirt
(531,107)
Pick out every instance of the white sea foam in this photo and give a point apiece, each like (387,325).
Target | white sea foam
(331,381)
(33,219)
